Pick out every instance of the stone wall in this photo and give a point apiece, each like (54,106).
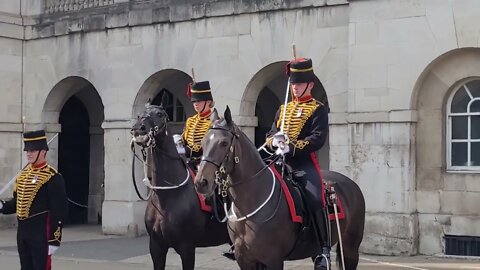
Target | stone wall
(378,60)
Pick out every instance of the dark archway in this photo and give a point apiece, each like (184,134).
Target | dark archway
(265,114)
(74,157)
(75,106)
(174,108)
(174,83)
(267,91)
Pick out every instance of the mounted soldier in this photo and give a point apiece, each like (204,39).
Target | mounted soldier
(197,125)
(299,130)
(40,202)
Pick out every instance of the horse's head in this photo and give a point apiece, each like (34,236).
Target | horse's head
(218,158)
(150,125)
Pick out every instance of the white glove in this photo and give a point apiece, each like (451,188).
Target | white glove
(52,249)
(181,150)
(1,205)
(177,139)
(283,150)
(279,139)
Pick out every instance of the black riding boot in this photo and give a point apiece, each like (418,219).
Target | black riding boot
(230,254)
(322,260)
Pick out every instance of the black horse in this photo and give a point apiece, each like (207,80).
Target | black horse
(261,227)
(173,216)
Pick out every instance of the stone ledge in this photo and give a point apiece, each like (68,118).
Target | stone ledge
(124,14)
(117,124)
(11,127)
(9,30)
(245,121)
(405,116)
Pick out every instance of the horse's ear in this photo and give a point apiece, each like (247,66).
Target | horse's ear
(149,102)
(164,99)
(214,117)
(228,115)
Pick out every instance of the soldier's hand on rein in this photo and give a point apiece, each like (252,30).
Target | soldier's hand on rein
(177,139)
(1,205)
(283,149)
(279,138)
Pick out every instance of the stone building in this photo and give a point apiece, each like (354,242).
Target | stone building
(402,80)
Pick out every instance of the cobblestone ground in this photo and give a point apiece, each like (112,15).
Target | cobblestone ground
(86,248)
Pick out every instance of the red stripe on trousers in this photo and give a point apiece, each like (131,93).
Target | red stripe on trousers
(48,265)
(313,157)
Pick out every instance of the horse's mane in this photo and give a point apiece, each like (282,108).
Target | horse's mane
(221,123)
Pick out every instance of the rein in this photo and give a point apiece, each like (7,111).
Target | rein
(152,148)
(224,183)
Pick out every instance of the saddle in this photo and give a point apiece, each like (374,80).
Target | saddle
(300,206)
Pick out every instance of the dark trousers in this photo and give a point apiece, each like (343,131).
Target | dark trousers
(314,187)
(311,181)
(32,243)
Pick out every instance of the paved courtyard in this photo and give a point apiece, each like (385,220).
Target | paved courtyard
(85,247)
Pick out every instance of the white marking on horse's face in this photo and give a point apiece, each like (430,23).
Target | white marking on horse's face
(211,136)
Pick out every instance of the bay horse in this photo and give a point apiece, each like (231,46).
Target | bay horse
(173,217)
(260,224)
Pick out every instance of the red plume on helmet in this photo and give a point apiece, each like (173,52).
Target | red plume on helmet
(287,67)
(189,90)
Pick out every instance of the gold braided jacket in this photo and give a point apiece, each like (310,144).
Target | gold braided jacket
(28,184)
(296,116)
(195,129)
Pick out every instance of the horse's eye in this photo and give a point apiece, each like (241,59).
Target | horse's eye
(224,143)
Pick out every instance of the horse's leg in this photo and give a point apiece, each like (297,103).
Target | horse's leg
(247,265)
(158,251)
(261,266)
(350,252)
(187,254)
(277,265)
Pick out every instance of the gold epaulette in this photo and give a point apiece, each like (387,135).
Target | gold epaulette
(195,129)
(28,184)
(296,116)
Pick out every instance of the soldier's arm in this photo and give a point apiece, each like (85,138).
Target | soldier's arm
(9,206)
(273,130)
(58,204)
(317,135)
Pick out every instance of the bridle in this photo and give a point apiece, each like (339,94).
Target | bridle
(150,146)
(222,179)
(225,167)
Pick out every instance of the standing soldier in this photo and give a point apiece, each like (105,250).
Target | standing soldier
(298,133)
(40,201)
(197,126)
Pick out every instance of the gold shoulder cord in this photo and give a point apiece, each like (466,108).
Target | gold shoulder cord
(28,184)
(195,129)
(295,118)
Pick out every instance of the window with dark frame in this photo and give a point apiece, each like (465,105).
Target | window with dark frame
(463,121)
(173,106)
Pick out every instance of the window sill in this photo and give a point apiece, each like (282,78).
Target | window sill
(463,171)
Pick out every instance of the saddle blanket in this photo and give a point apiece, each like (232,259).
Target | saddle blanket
(295,202)
(206,207)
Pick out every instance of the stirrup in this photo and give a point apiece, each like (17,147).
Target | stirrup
(320,258)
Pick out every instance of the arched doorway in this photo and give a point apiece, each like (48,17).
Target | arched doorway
(174,108)
(74,157)
(174,84)
(75,105)
(266,91)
